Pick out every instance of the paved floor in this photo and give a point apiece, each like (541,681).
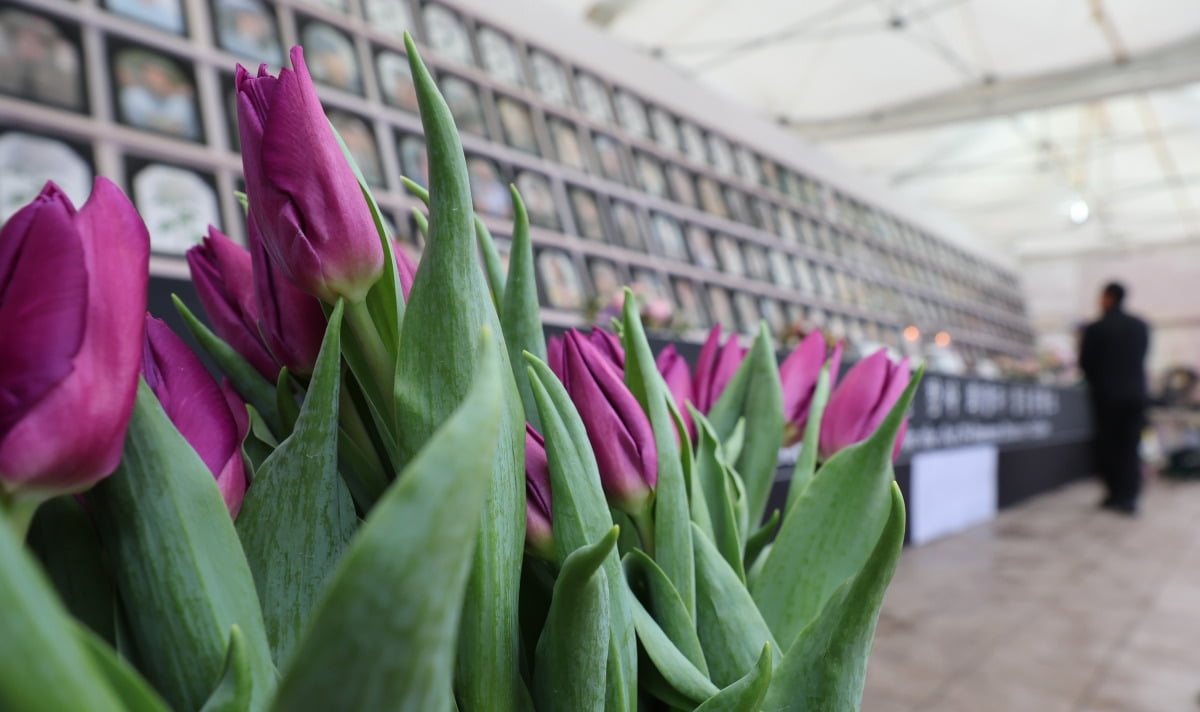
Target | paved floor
(1055,606)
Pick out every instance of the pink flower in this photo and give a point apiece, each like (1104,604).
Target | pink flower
(539,536)
(617,427)
(303,195)
(290,321)
(861,401)
(206,415)
(678,377)
(224,279)
(72,300)
(714,368)
(798,375)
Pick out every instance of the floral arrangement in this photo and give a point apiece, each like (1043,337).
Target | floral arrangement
(400,496)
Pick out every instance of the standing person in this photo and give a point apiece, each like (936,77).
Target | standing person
(1112,356)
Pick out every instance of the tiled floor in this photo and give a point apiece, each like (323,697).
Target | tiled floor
(1055,606)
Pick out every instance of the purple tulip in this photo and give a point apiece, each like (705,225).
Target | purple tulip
(405,268)
(291,321)
(798,375)
(539,536)
(606,342)
(617,427)
(609,344)
(224,278)
(72,299)
(554,355)
(199,408)
(861,401)
(714,368)
(302,193)
(678,376)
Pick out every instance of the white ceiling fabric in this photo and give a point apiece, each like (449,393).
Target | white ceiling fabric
(828,68)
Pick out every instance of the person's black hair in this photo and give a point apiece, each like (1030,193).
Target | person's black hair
(1116,292)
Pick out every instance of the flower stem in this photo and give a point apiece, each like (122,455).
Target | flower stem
(19,512)
(643,522)
(375,353)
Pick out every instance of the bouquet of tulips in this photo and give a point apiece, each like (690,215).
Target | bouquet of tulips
(400,496)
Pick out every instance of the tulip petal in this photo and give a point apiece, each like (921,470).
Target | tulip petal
(198,407)
(224,279)
(43,300)
(291,321)
(678,377)
(852,403)
(617,426)
(97,397)
(307,202)
(798,376)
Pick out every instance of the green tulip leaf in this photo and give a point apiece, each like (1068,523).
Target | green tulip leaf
(761,539)
(754,393)
(134,692)
(383,635)
(448,307)
(519,315)
(746,694)
(44,666)
(246,380)
(418,191)
(672,518)
(731,629)
(654,684)
(298,517)
(568,674)
(258,444)
(233,691)
(422,222)
(491,262)
(65,540)
(580,513)
(806,463)
(285,401)
(733,442)
(178,563)
(831,529)
(719,491)
(826,667)
(646,577)
(675,668)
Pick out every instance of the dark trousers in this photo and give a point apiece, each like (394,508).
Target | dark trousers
(1118,432)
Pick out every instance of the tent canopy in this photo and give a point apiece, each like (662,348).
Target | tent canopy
(1044,126)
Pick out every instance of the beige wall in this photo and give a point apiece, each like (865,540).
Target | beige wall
(1164,289)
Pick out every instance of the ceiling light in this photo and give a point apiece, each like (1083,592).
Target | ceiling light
(942,338)
(912,333)
(1078,211)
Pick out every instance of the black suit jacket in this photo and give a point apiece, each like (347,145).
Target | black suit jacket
(1113,355)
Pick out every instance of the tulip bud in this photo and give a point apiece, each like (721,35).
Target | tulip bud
(224,279)
(798,376)
(554,356)
(714,368)
(617,427)
(302,193)
(291,322)
(678,377)
(861,401)
(200,410)
(539,537)
(608,344)
(72,300)
(405,268)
